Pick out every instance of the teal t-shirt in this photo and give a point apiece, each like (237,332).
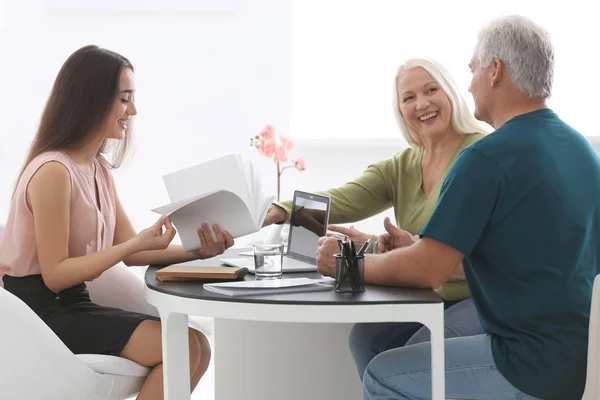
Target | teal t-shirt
(523,206)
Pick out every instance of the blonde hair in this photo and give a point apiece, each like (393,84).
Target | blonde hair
(463,120)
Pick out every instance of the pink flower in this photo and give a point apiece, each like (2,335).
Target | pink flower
(267,147)
(268,144)
(280,154)
(300,164)
(286,143)
(268,133)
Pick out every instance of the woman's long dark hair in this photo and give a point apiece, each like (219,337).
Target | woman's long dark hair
(83,95)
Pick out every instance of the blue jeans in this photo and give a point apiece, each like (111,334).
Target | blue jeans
(405,373)
(368,340)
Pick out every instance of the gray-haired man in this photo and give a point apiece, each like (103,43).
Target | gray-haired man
(521,209)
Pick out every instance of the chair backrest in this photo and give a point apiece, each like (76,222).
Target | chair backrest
(592,387)
(53,371)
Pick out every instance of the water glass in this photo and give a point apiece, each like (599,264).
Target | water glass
(268,259)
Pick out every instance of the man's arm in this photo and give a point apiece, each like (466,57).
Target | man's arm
(428,263)
(464,209)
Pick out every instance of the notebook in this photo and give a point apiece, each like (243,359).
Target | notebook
(310,215)
(190,272)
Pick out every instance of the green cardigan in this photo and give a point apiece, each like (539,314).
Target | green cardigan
(395,182)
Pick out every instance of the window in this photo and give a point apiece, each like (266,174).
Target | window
(345,55)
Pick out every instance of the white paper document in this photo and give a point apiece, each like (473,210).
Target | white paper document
(226,191)
(270,286)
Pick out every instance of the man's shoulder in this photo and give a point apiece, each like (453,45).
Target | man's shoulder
(496,145)
(477,151)
(476,161)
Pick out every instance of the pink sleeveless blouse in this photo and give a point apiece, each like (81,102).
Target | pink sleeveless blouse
(91,229)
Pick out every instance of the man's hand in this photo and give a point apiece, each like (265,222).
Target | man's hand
(328,246)
(394,237)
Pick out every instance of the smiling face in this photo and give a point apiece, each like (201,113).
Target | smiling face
(424,106)
(123,109)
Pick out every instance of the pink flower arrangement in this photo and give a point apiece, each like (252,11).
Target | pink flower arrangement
(275,147)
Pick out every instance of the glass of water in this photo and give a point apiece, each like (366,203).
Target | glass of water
(268,259)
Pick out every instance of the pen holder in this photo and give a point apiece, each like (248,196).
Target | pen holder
(349,276)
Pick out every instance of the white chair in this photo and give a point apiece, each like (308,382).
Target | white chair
(592,389)
(35,364)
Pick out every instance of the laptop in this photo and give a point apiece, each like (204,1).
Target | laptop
(310,214)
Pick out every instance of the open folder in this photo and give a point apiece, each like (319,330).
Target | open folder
(270,286)
(226,191)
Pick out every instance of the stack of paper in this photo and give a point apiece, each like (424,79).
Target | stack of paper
(270,286)
(226,191)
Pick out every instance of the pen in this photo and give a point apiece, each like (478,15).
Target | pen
(347,265)
(354,268)
(363,248)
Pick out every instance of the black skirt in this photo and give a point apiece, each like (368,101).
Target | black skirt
(84,327)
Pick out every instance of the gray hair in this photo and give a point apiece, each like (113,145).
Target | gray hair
(525,48)
(463,120)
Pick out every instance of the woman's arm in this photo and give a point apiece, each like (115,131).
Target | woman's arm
(367,195)
(49,199)
(173,254)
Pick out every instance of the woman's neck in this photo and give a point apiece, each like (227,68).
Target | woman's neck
(440,150)
(85,155)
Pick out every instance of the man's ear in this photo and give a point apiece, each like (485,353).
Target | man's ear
(498,69)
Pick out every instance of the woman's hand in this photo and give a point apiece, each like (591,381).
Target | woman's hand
(275,215)
(394,237)
(210,248)
(153,238)
(352,233)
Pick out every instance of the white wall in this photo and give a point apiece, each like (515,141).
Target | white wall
(206,82)
(346,54)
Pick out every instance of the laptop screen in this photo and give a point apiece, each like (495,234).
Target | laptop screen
(310,213)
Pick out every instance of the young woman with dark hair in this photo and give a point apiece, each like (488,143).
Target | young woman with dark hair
(67,225)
